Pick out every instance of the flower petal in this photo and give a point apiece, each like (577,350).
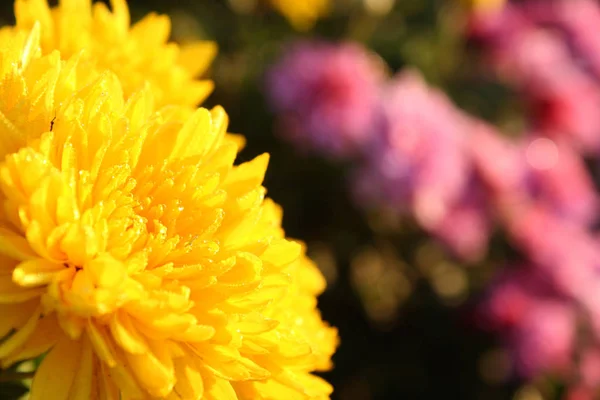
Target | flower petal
(36,272)
(57,371)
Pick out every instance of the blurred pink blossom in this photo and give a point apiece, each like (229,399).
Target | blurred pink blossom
(564,99)
(537,60)
(533,170)
(557,176)
(544,340)
(580,392)
(577,20)
(466,227)
(497,161)
(590,368)
(510,297)
(418,160)
(418,163)
(326,96)
(567,252)
(538,326)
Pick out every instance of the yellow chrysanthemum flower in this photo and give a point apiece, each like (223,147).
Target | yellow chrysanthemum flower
(302,14)
(138,55)
(135,254)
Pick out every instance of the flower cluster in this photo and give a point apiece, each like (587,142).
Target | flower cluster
(524,38)
(420,165)
(407,161)
(137,257)
(326,96)
(546,310)
(138,55)
(460,178)
(557,237)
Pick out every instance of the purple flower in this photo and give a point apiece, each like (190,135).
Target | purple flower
(326,96)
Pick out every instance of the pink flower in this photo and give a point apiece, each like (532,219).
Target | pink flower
(544,340)
(580,393)
(418,161)
(557,176)
(466,227)
(537,325)
(512,295)
(577,20)
(418,164)
(498,163)
(526,48)
(590,367)
(326,96)
(563,97)
(565,251)
(534,170)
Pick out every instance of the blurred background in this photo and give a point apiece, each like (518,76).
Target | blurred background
(440,160)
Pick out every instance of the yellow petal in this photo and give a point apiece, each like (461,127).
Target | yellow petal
(238,140)
(153,375)
(102,344)
(255,323)
(36,272)
(15,246)
(195,137)
(56,373)
(217,389)
(107,387)
(121,375)
(281,252)
(189,384)
(13,316)
(227,363)
(126,334)
(32,46)
(46,334)
(18,338)
(196,333)
(246,269)
(196,57)
(84,383)
(248,175)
